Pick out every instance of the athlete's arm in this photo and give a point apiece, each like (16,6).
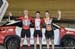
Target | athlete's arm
(59,15)
(33,20)
(19,18)
(42,21)
(9,17)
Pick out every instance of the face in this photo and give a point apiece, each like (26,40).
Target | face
(37,15)
(47,14)
(26,12)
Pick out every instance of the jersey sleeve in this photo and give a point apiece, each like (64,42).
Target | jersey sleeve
(42,21)
(33,20)
(30,17)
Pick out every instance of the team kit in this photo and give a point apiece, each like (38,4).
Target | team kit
(38,23)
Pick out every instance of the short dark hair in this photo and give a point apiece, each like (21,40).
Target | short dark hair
(37,11)
(47,11)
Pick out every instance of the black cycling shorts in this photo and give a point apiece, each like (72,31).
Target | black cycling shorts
(25,33)
(37,33)
(49,34)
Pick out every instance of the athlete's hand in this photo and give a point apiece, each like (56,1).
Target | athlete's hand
(59,13)
(9,13)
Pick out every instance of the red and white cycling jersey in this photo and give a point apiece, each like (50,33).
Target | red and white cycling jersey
(38,23)
(26,22)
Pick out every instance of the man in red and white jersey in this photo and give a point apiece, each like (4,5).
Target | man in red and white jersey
(26,20)
(38,29)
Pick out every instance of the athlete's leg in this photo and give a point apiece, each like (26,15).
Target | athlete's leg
(21,43)
(28,43)
(35,39)
(47,41)
(47,35)
(35,42)
(22,38)
(40,38)
(28,35)
(40,41)
(52,41)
